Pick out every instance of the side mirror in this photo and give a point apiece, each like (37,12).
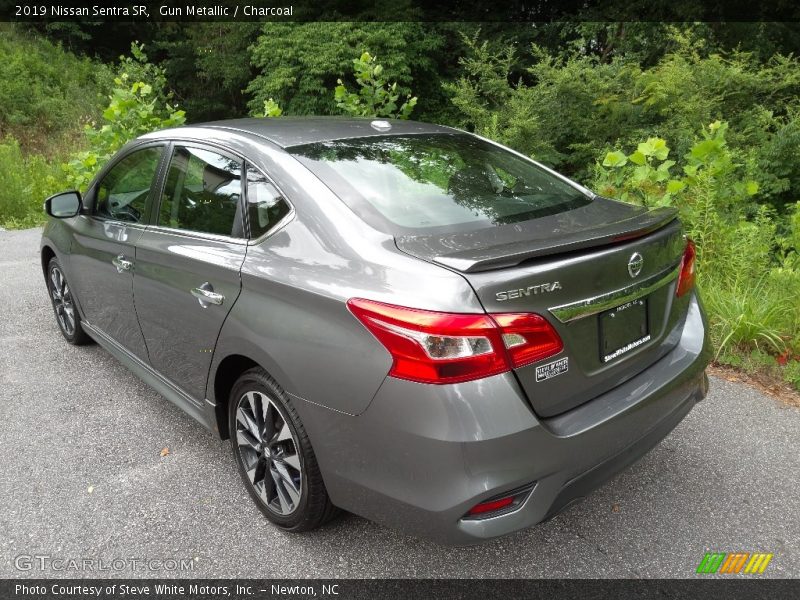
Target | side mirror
(63,205)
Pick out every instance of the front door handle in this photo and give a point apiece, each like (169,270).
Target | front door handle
(206,295)
(122,263)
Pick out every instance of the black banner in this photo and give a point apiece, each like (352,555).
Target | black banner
(399,10)
(369,589)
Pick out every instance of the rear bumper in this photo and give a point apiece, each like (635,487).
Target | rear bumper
(421,456)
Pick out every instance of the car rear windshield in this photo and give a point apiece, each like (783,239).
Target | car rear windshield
(418,184)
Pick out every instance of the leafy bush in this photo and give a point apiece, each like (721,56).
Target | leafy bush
(572,103)
(748,271)
(296,63)
(138,104)
(709,186)
(135,108)
(271,109)
(375,97)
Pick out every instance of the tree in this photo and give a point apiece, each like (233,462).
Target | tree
(375,97)
(298,62)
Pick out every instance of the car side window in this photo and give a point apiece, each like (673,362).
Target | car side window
(202,193)
(123,191)
(265,204)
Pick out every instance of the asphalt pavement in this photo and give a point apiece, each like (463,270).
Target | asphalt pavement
(83,477)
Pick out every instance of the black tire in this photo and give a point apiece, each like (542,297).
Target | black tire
(66,312)
(267,462)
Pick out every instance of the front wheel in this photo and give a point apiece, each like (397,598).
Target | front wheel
(67,317)
(274,455)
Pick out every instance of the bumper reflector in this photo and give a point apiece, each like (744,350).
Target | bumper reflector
(500,505)
(491,506)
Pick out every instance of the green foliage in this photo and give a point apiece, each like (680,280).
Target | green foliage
(296,63)
(643,177)
(135,108)
(45,91)
(709,186)
(622,106)
(572,102)
(25,181)
(748,271)
(747,315)
(207,65)
(271,109)
(375,97)
(792,373)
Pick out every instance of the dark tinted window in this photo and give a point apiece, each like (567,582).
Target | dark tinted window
(265,205)
(450,181)
(202,193)
(122,193)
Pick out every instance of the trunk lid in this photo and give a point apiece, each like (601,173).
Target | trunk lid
(605,278)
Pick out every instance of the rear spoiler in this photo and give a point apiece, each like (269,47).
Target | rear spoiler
(510,255)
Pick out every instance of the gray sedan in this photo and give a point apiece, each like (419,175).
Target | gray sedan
(397,319)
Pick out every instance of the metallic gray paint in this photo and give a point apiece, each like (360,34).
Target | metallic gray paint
(179,332)
(444,449)
(411,455)
(106,295)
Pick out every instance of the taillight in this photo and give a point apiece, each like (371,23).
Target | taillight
(528,337)
(687,274)
(438,347)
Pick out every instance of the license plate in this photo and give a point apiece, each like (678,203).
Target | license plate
(623,329)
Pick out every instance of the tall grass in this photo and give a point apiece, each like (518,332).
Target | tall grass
(748,315)
(25,181)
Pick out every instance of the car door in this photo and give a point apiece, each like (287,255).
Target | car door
(188,263)
(103,249)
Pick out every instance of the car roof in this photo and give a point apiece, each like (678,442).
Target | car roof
(296,131)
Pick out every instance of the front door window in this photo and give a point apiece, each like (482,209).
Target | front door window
(123,191)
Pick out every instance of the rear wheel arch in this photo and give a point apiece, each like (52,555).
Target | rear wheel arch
(226,374)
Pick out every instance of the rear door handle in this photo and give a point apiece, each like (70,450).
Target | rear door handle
(122,263)
(206,295)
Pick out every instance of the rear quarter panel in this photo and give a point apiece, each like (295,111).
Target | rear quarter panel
(292,317)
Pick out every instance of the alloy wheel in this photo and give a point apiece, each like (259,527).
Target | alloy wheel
(62,301)
(269,452)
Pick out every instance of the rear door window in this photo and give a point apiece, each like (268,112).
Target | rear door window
(202,193)
(266,206)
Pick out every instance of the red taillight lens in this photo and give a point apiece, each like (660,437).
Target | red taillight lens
(528,337)
(491,506)
(687,275)
(437,347)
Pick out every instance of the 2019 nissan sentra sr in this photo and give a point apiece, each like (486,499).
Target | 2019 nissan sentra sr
(398,319)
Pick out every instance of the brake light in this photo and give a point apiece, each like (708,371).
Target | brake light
(528,337)
(438,347)
(687,274)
